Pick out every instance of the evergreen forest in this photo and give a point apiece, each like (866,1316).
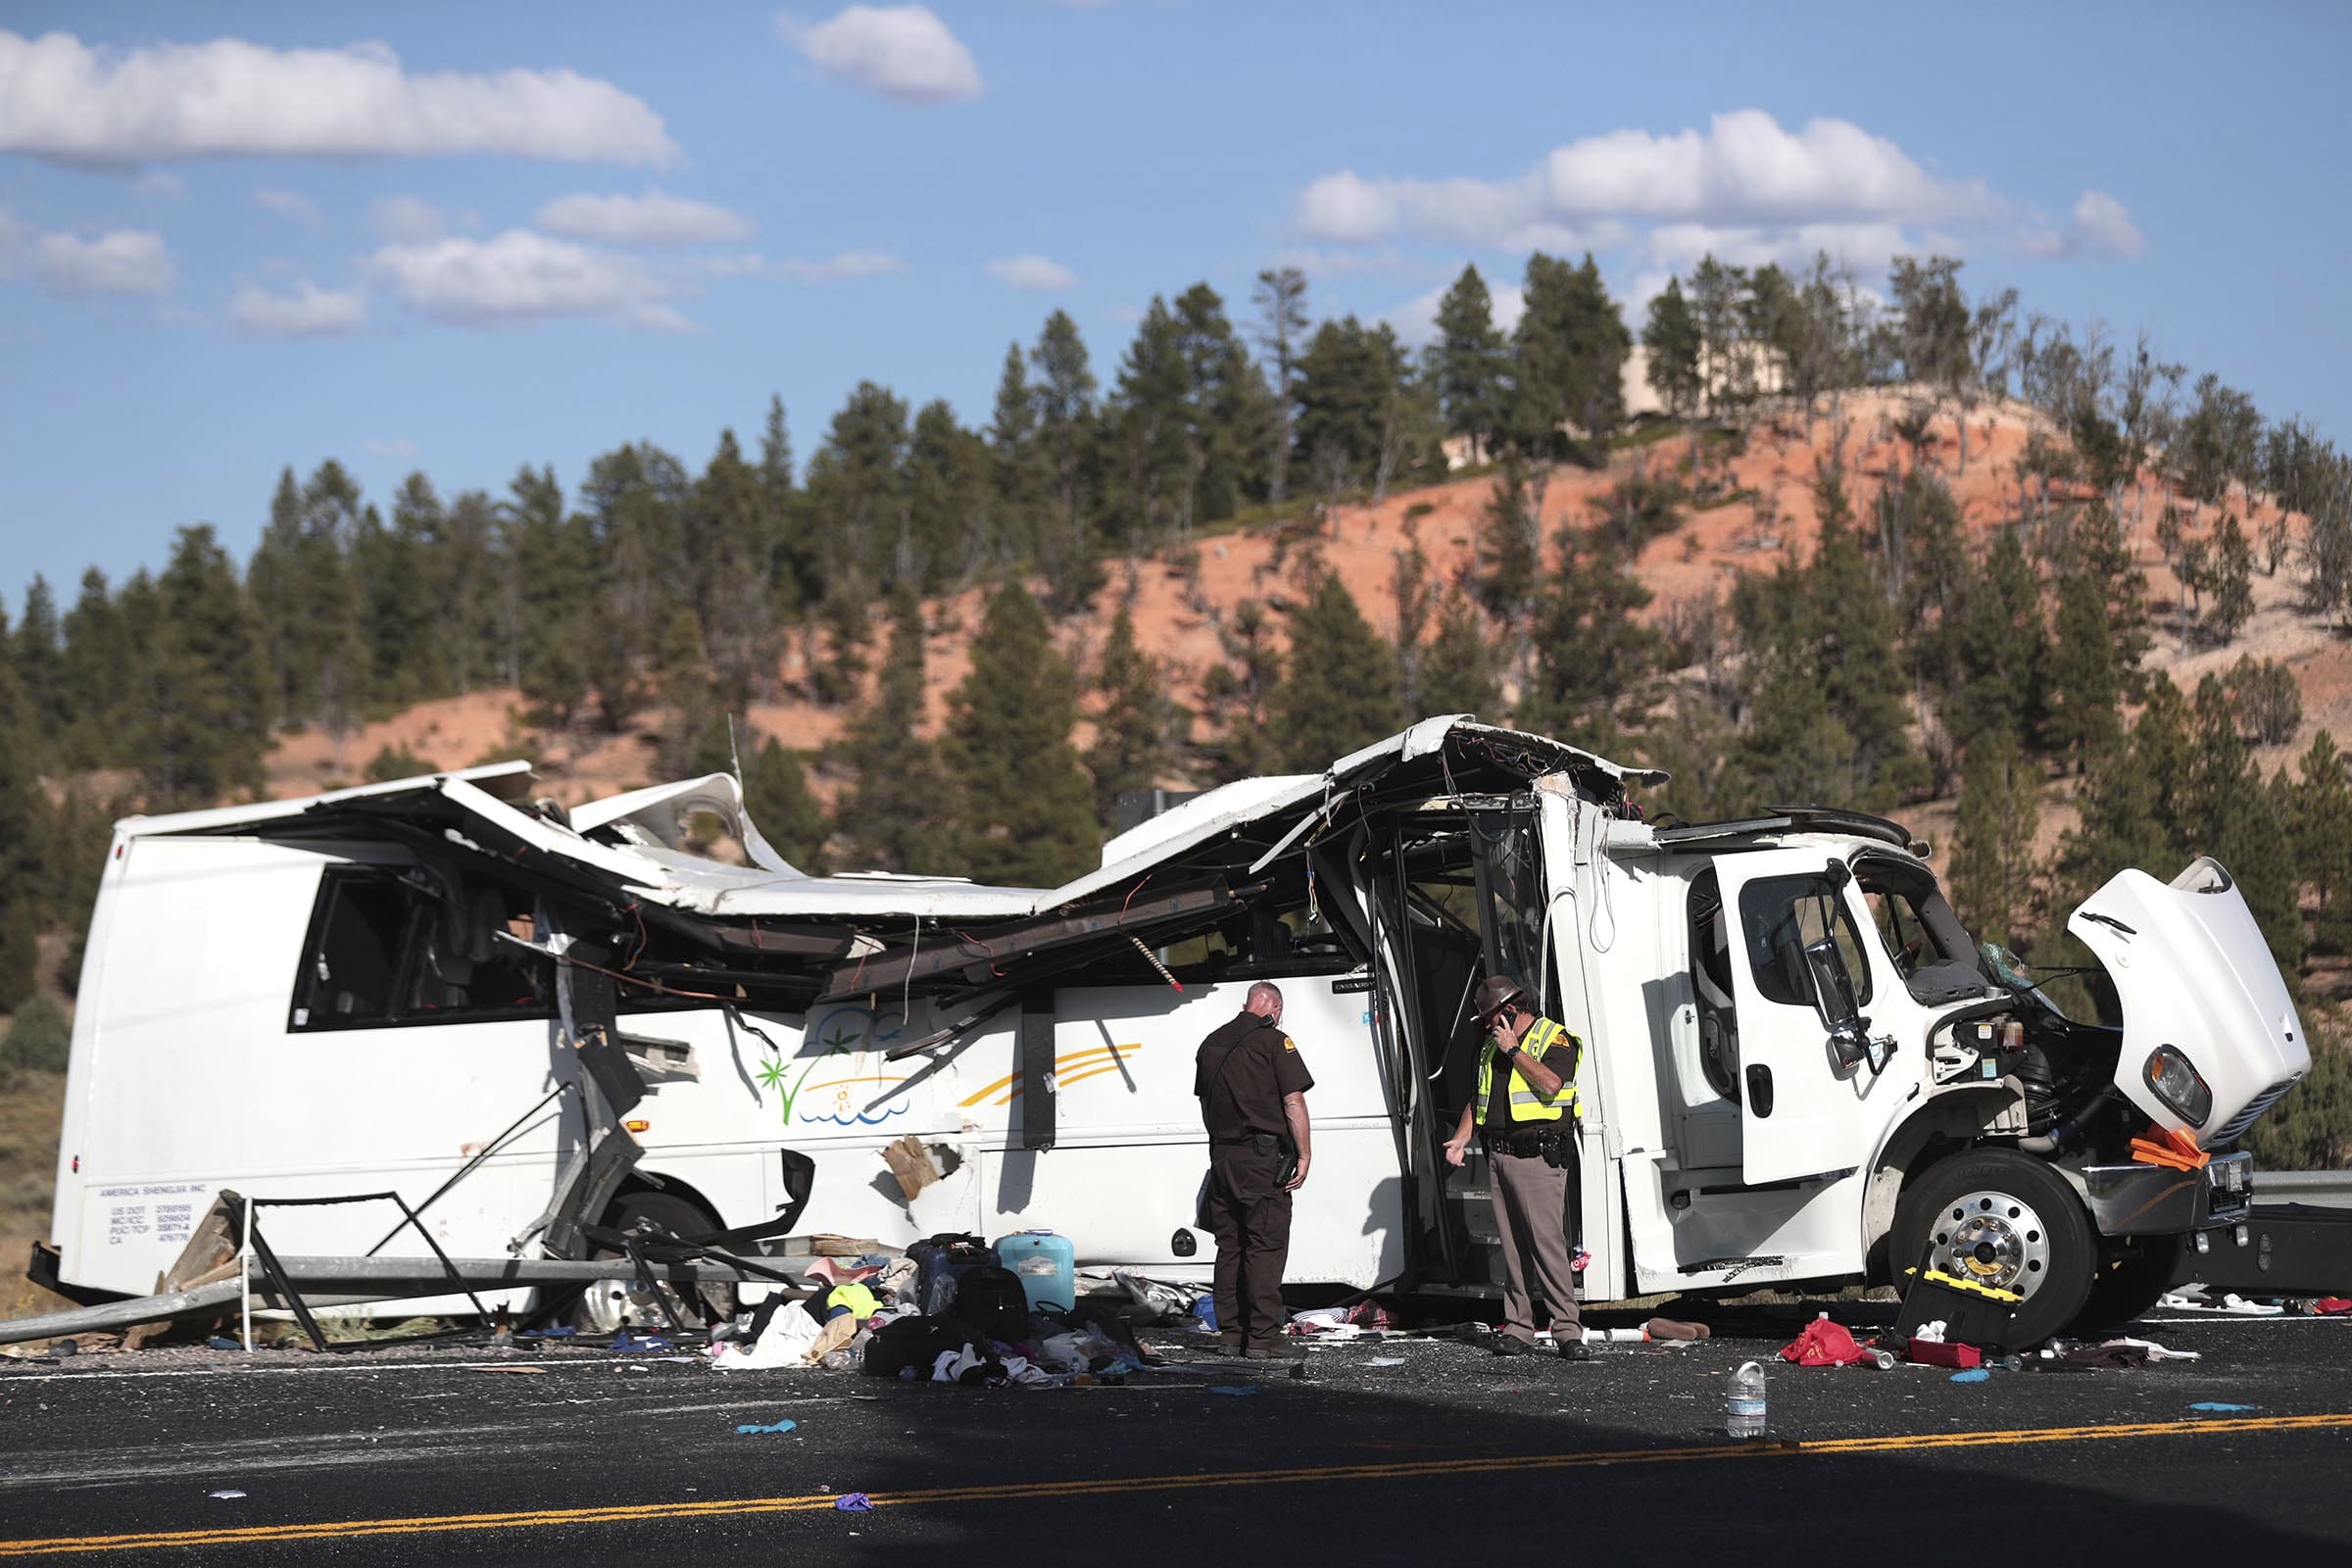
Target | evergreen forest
(1899,654)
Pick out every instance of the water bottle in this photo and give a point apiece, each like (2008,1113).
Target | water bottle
(1743,1401)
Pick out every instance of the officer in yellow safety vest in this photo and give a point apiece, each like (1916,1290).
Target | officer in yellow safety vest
(1528,1116)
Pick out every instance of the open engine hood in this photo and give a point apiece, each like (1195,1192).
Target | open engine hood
(2193,973)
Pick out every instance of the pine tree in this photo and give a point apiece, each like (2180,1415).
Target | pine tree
(895,814)
(856,491)
(2083,679)
(1026,813)
(1017,476)
(1135,731)
(2001,648)
(39,658)
(1227,408)
(949,531)
(1568,357)
(21,850)
(1671,337)
(1148,431)
(1338,693)
(728,544)
(96,677)
(1595,662)
(1470,362)
(1281,300)
(775,791)
(200,702)
(2323,838)
(2244,823)
(551,565)
(1992,866)
(793,580)
(2230,580)
(1457,671)
(1064,393)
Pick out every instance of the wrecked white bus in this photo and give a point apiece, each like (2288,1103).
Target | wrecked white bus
(529,1023)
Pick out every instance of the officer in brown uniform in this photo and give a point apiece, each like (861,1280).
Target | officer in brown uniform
(1252,1087)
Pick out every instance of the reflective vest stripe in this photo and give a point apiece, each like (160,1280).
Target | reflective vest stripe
(1525,1102)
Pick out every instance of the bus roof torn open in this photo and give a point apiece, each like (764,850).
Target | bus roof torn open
(675,922)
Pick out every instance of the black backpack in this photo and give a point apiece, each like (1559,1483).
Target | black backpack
(992,1302)
(913,1341)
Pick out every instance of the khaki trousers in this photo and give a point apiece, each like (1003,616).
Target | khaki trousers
(1531,1207)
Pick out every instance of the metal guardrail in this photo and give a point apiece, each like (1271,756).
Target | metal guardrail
(2328,1189)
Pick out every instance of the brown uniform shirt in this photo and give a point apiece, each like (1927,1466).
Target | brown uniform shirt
(1241,1074)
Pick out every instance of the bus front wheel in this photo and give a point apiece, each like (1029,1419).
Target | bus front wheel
(608,1306)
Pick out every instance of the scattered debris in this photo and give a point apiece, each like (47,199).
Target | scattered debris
(1972,1375)
(2214,1408)
(1236,1389)
(225,1495)
(1823,1342)
(527,1371)
(756,1430)
(854,1503)
(911,1161)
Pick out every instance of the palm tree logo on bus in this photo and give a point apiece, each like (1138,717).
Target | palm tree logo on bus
(846,1033)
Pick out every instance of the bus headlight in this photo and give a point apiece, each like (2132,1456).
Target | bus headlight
(2177,1085)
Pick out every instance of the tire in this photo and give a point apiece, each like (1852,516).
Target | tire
(2006,1220)
(609,1305)
(2132,1274)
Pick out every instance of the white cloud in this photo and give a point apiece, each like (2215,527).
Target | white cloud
(848,263)
(1346,209)
(522,278)
(62,99)
(1031,272)
(308,312)
(288,203)
(121,261)
(407,218)
(655,217)
(2103,224)
(1416,319)
(1744,171)
(397,447)
(904,52)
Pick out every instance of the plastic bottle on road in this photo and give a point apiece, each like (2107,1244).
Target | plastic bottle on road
(1743,1401)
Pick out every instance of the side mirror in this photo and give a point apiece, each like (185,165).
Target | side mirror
(1840,1014)
(1832,987)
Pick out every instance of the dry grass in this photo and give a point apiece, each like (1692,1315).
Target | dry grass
(29,1110)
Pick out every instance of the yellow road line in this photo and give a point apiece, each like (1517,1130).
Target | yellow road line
(1405,1470)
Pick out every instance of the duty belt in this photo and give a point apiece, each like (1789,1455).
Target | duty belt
(1522,1142)
(1259,1143)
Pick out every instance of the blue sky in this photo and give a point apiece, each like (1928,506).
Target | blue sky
(236,237)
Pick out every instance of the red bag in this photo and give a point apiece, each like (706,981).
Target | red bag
(1931,1353)
(1822,1343)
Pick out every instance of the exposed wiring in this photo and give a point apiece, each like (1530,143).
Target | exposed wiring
(1152,958)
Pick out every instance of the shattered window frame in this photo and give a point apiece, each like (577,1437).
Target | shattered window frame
(416,941)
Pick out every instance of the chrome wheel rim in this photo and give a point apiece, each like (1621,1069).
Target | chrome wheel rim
(1991,1239)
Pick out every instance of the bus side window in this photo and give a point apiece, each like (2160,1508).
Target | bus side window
(386,949)
(352,972)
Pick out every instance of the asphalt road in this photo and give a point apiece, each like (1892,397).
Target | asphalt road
(427,1457)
